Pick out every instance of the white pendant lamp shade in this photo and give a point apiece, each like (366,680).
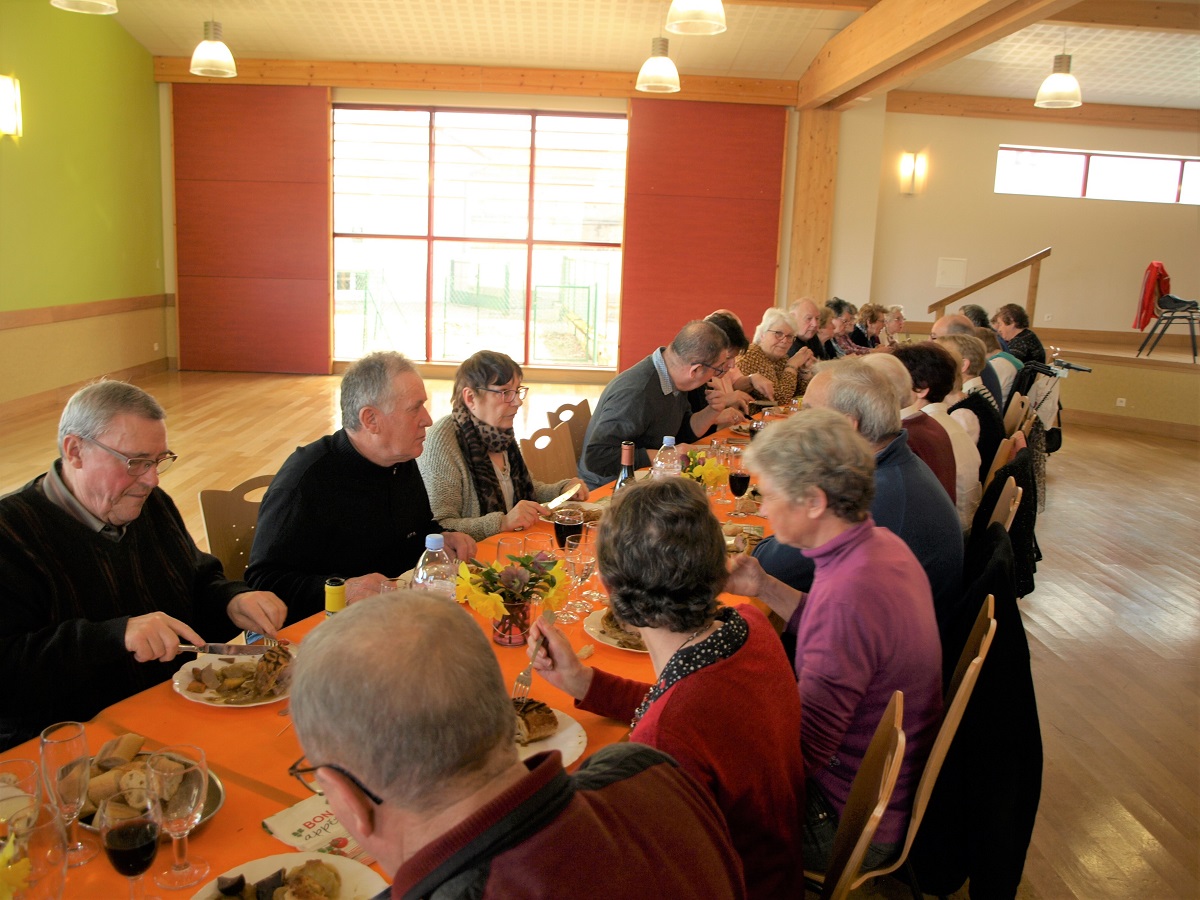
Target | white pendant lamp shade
(93,7)
(211,57)
(696,17)
(1060,90)
(658,74)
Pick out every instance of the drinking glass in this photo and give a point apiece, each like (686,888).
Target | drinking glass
(129,823)
(591,540)
(506,547)
(581,563)
(179,775)
(566,523)
(66,768)
(539,543)
(37,837)
(739,479)
(20,791)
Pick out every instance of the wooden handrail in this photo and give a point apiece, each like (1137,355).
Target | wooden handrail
(1034,263)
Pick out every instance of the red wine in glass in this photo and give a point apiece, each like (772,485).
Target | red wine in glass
(132,846)
(563,530)
(739,483)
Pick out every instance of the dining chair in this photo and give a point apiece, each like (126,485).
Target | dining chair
(1006,506)
(1014,416)
(962,684)
(870,793)
(578,415)
(550,453)
(229,521)
(1003,455)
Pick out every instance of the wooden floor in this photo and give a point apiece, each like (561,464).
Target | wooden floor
(1114,625)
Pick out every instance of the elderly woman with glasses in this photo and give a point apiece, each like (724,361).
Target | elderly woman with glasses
(768,355)
(473,470)
(724,701)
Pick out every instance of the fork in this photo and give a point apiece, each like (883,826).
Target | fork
(524,682)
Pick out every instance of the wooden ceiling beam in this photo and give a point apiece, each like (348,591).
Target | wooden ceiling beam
(1146,15)
(883,39)
(1110,115)
(481,79)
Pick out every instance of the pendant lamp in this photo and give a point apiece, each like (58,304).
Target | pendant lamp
(696,17)
(92,7)
(1060,90)
(658,74)
(211,57)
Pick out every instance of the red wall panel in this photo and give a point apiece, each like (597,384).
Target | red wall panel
(703,196)
(252,205)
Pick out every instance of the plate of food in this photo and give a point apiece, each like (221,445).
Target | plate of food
(603,626)
(236,681)
(121,765)
(591,511)
(308,875)
(741,428)
(541,728)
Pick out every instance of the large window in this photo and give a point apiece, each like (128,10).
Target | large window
(462,231)
(1051,172)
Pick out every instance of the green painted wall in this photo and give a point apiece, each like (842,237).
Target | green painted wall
(80,190)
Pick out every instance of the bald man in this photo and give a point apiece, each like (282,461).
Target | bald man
(959,324)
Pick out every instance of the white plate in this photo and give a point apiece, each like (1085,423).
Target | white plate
(184,677)
(592,626)
(569,740)
(358,881)
(574,504)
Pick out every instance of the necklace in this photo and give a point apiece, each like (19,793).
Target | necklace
(695,634)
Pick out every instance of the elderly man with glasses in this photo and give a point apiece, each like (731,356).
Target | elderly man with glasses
(99,579)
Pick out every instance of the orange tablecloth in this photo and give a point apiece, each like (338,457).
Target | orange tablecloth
(251,749)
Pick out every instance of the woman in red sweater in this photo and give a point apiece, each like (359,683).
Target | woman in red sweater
(725,703)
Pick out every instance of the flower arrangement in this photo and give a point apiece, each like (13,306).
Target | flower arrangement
(504,593)
(14,874)
(705,469)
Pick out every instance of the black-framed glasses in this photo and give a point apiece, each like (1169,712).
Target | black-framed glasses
(780,334)
(721,373)
(298,771)
(510,395)
(137,466)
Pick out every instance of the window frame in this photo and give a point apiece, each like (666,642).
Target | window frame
(1088,155)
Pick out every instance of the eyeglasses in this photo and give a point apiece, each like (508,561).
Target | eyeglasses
(510,396)
(781,334)
(137,466)
(721,373)
(298,771)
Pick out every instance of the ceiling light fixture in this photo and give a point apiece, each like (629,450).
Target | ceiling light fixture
(696,17)
(1060,90)
(10,105)
(212,58)
(92,7)
(658,74)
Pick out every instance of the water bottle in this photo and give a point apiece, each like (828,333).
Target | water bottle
(667,462)
(435,570)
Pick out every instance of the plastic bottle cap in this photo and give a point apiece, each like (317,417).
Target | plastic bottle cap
(668,441)
(435,542)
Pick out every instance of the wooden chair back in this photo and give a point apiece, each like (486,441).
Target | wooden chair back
(1006,506)
(1014,416)
(550,453)
(229,521)
(868,800)
(578,415)
(962,684)
(1003,454)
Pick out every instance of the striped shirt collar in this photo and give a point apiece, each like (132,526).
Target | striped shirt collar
(664,376)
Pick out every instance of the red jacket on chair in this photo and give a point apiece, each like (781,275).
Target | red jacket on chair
(1156,283)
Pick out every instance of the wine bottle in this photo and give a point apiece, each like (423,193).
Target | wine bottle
(626,474)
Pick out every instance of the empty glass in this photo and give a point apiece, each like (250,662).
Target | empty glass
(581,562)
(506,547)
(179,775)
(37,838)
(20,791)
(66,769)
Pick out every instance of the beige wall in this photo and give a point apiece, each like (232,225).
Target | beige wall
(1101,247)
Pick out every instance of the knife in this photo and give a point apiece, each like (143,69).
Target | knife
(564,496)
(227,649)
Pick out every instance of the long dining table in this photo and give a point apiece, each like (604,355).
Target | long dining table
(251,748)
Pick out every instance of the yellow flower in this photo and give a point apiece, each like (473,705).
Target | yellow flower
(555,594)
(14,876)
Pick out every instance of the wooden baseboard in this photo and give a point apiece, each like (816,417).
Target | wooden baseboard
(60,395)
(1131,423)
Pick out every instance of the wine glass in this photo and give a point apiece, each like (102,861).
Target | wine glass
(129,823)
(581,562)
(739,479)
(179,775)
(38,840)
(66,769)
(20,791)
(591,540)
(567,521)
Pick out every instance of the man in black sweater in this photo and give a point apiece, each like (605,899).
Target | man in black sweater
(99,579)
(352,504)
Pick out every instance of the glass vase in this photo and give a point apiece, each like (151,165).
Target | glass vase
(512,629)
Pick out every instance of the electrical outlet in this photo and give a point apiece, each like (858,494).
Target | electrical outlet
(156,347)
(1121,402)
(1047,318)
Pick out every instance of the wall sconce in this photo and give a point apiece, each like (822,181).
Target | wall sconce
(913,167)
(10,106)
